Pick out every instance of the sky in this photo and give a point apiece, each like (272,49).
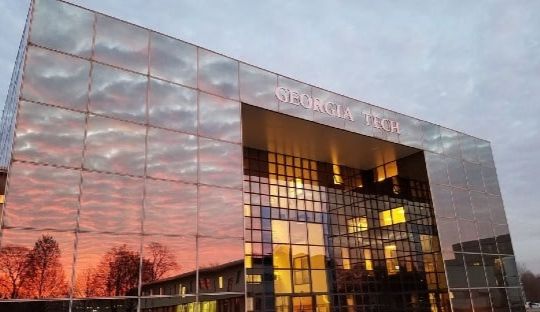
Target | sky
(473,66)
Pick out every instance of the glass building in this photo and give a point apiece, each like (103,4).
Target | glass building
(143,173)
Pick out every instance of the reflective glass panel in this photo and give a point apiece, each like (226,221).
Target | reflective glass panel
(499,300)
(462,204)
(114,146)
(489,176)
(475,270)
(480,300)
(442,201)
(487,237)
(35,264)
(456,172)
(167,257)
(107,266)
(62,27)
(502,236)
(494,270)
(455,272)
(469,236)
(218,74)
(111,203)
(121,44)
(461,301)
(432,137)
(219,118)
(49,135)
(498,214)
(220,212)
(220,163)
(410,131)
(468,148)
(171,155)
(474,176)
(118,93)
(173,60)
(42,197)
(322,117)
(172,106)
(170,208)
(257,87)
(480,205)
(447,235)
(436,168)
(511,274)
(57,79)
(484,153)
(450,142)
(217,251)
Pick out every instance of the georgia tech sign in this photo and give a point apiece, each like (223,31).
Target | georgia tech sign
(332,109)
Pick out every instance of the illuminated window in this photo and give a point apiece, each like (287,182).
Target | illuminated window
(392,216)
(386,171)
(357,224)
(368,259)
(338,179)
(220,281)
(254,278)
(392,264)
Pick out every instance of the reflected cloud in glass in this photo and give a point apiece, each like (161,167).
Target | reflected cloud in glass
(118,93)
(49,135)
(218,74)
(121,44)
(220,212)
(173,60)
(215,251)
(62,27)
(219,118)
(170,208)
(42,197)
(257,87)
(111,203)
(220,163)
(172,106)
(114,146)
(53,78)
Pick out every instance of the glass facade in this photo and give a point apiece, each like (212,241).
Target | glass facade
(127,184)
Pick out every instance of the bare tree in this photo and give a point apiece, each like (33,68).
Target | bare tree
(12,270)
(159,261)
(44,273)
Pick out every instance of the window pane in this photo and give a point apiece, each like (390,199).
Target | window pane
(118,93)
(447,229)
(474,176)
(511,274)
(502,236)
(494,270)
(469,236)
(219,118)
(220,163)
(318,281)
(282,281)
(121,44)
(62,27)
(281,256)
(480,205)
(298,233)
(111,203)
(489,175)
(432,137)
(173,60)
(315,234)
(436,167)
(170,208)
(280,231)
(498,214)
(257,87)
(36,265)
(107,266)
(57,79)
(49,135)
(220,212)
(172,106)
(450,142)
(114,146)
(442,201)
(42,197)
(218,74)
(468,148)
(487,237)
(171,155)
